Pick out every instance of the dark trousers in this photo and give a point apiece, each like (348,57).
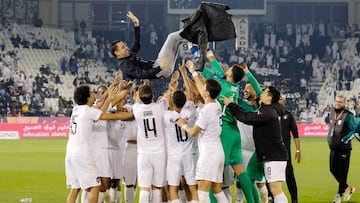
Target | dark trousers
(339,167)
(290,180)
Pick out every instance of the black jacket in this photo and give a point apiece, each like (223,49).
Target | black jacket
(214,18)
(288,124)
(135,67)
(267,131)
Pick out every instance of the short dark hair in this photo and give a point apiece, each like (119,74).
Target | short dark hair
(179,99)
(213,87)
(237,72)
(275,94)
(145,94)
(113,47)
(81,94)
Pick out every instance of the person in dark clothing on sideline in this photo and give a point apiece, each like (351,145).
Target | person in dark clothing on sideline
(269,144)
(288,124)
(339,137)
(135,67)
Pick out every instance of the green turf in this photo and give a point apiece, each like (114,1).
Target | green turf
(35,168)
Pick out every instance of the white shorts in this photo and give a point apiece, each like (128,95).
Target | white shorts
(130,171)
(81,171)
(275,171)
(70,171)
(210,166)
(151,169)
(178,166)
(116,166)
(102,161)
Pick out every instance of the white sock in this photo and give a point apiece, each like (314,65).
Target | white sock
(239,195)
(84,198)
(118,196)
(203,196)
(263,194)
(112,195)
(182,197)
(194,201)
(101,197)
(221,197)
(144,196)
(175,201)
(156,196)
(280,198)
(228,194)
(129,194)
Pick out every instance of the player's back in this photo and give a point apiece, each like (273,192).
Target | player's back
(82,120)
(179,143)
(150,127)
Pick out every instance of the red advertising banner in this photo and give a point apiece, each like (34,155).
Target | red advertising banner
(48,127)
(314,130)
(31,130)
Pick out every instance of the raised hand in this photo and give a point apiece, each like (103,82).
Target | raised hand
(190,65)
(133,18)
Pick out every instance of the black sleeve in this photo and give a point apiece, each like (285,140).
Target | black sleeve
(135,47)
(251,118)
(293,126)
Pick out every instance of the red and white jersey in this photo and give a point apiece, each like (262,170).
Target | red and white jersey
(81,135)
(179,143)
(209,120)
(150,127)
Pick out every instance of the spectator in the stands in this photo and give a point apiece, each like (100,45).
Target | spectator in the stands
(82,27)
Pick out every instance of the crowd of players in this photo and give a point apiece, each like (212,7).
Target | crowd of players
(189,140)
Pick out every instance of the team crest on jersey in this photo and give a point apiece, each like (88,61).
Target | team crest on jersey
(148,113)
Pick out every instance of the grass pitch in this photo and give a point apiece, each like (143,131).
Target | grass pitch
(35,168)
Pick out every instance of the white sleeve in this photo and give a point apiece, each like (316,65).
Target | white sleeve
(202,120)
(164,102)
(94,113)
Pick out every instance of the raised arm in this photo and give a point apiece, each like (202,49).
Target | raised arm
(252,80)
(187,82)
(215,65)
(172,87)
(199,80)
(136,43)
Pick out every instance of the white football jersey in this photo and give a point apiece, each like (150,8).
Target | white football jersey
(130,132)
(209,120)
(246,134)
(116,132)
(81,135)
(179,143)
(150,127)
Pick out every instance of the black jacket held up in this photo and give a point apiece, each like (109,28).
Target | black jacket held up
(267,131)
(214,18)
